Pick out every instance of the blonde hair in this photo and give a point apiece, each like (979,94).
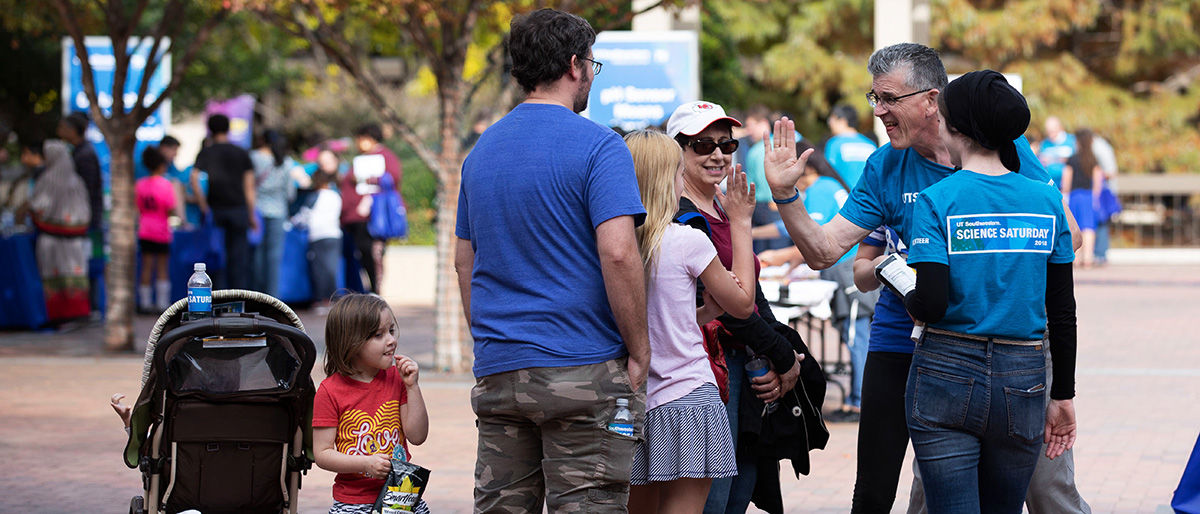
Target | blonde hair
(353,320)
(656,159)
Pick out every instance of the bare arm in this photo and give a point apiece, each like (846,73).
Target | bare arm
(735,294)
(464,264)
(201,198)
(414,418)
(1076,234)
(822,245)
(625,283)
(864,267)
(329,459)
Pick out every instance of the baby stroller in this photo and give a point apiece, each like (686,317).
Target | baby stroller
(223,423)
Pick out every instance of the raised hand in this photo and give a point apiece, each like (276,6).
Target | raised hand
(738,200)
(781,165)
(409,370)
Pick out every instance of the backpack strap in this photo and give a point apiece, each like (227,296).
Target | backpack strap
(689,219)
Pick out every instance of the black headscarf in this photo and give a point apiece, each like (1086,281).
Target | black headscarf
(983,106)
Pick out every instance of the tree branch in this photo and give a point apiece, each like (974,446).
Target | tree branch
(181,66)
(81,52)
(172,13)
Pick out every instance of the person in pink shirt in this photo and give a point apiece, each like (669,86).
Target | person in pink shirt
(687,438)
(155,202)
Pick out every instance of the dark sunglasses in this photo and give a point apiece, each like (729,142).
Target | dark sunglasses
(707,145)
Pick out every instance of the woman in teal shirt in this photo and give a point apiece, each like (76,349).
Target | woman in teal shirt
(992,250)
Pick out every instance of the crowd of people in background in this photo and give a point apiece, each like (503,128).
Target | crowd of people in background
(253,196)
(579,260)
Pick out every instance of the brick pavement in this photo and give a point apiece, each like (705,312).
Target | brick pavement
(1139,382)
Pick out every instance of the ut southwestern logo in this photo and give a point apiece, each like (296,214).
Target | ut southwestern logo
(911,197)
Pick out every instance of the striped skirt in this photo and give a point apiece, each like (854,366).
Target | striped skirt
(686,438)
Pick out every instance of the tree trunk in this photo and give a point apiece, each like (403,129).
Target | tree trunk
(452,341)
(119,272)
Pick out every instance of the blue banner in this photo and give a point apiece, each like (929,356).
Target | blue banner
(103,62)
(994,233)
(646,75)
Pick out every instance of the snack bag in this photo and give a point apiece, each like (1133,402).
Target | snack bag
(404,485)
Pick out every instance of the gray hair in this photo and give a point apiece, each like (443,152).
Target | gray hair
(925,68)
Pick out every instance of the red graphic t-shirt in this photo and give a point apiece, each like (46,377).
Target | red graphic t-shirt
(367,417)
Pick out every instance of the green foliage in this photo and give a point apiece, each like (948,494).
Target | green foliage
(799,57)
(1083,62)
(244,55)
(29,92)
(419,191)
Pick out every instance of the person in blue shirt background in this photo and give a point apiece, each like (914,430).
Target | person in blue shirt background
(907,79)
(847,150)
(1056,148)
(824,194)
(992,251)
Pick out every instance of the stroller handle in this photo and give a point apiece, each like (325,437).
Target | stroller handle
(227,326)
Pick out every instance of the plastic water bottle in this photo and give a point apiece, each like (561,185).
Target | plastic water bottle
(622,421)
(199,293)
(755,368)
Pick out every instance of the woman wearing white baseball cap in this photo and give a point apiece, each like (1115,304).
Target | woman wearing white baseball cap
(705,133)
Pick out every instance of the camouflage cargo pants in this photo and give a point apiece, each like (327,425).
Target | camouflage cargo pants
(543,436)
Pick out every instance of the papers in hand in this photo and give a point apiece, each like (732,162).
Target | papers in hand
(365,167)
(894,273)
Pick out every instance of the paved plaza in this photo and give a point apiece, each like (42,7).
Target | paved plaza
(1138,391)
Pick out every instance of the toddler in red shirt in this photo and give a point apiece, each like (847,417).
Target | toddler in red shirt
(369,403)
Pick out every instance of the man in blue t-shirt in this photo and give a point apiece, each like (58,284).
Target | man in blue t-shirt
(847,151)
(907,78)
(1055,149)
(552,285)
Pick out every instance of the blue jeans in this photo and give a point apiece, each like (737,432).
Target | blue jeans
(976,411)
(732,494)
(1102,238)
(268,255)
(858,356)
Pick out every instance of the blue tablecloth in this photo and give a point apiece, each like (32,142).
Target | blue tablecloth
(295,285)
(22,303)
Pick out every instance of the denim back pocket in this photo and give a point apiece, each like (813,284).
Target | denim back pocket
(941,400)
(1026,413)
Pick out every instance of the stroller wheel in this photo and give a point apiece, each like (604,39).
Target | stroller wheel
(137,505)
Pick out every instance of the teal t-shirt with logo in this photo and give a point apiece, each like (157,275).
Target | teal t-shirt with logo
(996,233)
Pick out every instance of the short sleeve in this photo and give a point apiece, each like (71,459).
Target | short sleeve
(864,207)
(325,413)
(611,188)
(202,160)
(1064,248)
(247,166)
(928,242)
(695,250)
(1031,167)
(462,225)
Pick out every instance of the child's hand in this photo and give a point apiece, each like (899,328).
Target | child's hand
(738,201)
(408,370)
(125,411)
(378,465)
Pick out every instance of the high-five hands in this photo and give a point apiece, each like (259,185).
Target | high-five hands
(781,165)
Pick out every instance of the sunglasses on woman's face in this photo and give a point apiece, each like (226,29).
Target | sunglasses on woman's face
(707,145)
